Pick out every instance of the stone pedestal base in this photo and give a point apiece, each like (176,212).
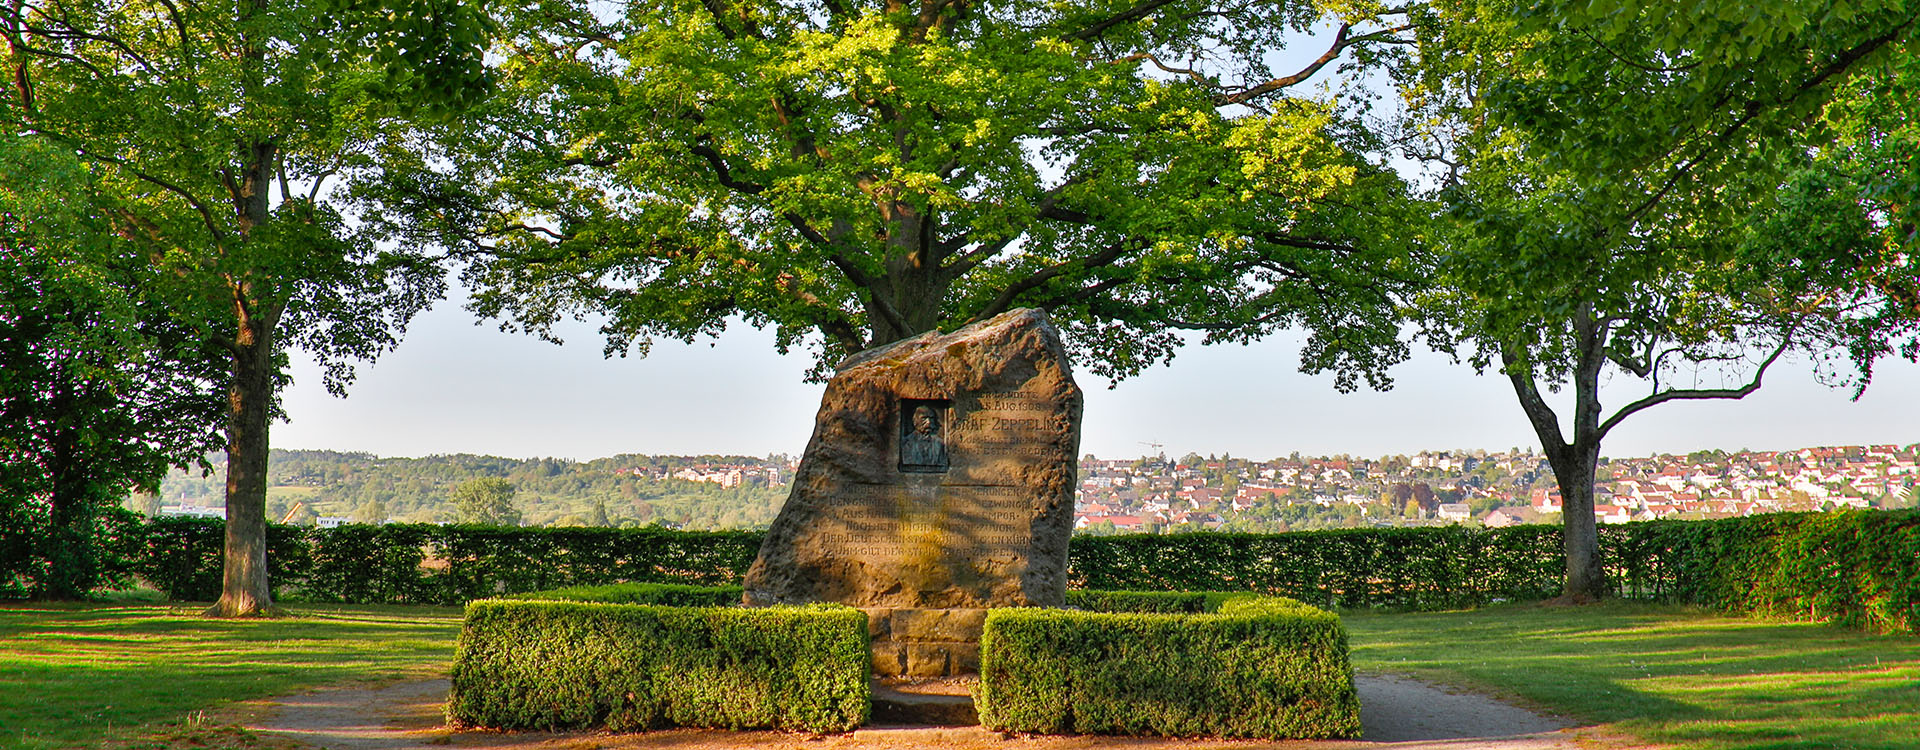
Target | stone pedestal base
(925,642)
(939,702)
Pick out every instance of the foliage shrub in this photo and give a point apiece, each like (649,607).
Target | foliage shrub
(1262,667)
(551,664)
(1857,568)
(1860,568)
(31,551)
(432,564)
(1424,568)
(665,594)
(1164,602)
(182,556)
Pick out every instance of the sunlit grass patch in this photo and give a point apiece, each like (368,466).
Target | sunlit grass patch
(1666,674)
(149,675)
(84,675)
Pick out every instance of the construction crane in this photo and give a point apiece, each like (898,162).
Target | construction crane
(1159,449)
(298,505)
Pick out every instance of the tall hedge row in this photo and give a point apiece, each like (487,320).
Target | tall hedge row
(1860,568)
(432,564)
(561,664)
(663,594)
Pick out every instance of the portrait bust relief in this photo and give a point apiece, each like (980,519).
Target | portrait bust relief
(923,435)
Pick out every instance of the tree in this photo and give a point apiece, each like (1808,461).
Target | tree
(370,512)
(487,500)
(215,129)
(87,411)
(852,173)
(145,502)
(1649,192)
(1423,496)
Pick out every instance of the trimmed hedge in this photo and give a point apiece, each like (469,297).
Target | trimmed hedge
(1261,667)
(182,556)
(1856,568)
(665,594)
(1163,602)
(433,564)
(1860,568)
(551,665)
(1423,568)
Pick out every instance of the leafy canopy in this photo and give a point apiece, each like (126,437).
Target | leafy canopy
(1673,178)
(89,408)
(851,173)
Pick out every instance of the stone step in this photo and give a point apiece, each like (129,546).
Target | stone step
(942,703)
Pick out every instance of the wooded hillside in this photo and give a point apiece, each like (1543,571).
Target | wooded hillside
(624,490)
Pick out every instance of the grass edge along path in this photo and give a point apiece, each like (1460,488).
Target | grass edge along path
(1675,676)
(1666,675)
(83,675)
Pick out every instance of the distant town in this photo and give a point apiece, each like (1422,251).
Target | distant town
(1151,494)
(1479,487)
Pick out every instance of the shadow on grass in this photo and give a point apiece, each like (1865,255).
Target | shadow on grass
(1667,674)
(84,671)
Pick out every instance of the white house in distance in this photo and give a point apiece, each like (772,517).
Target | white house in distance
(192,511)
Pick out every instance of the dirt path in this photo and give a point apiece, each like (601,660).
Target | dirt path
(1396,712)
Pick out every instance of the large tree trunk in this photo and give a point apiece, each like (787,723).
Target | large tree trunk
(1574,462)
(68,546)
(906,302)
(1573,469)
(244,588)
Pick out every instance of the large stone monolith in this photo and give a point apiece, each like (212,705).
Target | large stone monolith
(939,482)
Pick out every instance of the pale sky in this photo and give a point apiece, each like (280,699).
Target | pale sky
(454,387)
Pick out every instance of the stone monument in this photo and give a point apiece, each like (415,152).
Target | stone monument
(939,482)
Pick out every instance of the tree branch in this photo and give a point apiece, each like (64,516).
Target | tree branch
(722,172)
(1546,424)
(1698,393)
(830,319)
(979,254)
(1752,109)
(1304,243)
(1134,13)
(1340,43)
(71,33)
(717,9)
(1105,257)
(206,214)
(533,229)
(1190,73)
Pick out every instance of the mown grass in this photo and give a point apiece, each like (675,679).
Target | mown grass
(1667,675)
(79,675)
(145,675)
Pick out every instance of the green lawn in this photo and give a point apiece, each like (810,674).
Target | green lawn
(1667,675)
(70,674)
(1676,676)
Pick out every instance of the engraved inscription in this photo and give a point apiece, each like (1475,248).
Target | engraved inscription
(886,520)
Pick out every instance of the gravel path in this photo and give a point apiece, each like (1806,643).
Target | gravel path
(1396,712)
